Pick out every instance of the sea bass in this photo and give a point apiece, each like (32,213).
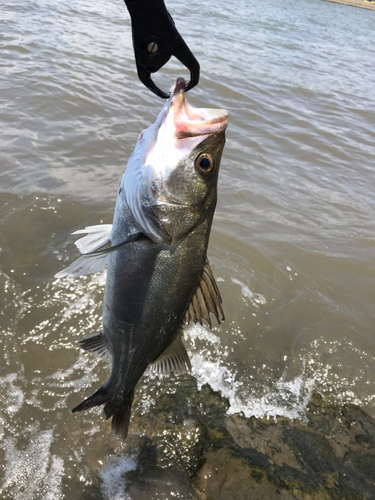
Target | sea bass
(158,274)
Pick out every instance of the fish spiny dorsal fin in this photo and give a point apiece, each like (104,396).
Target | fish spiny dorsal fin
(96,343)
(206,300)
(174,358)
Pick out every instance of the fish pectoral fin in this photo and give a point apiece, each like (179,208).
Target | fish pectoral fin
(96,237)
(174,358)
(86,264)
(206,300)
(96,249)
(97,344)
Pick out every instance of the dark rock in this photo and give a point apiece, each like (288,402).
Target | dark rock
(187,439)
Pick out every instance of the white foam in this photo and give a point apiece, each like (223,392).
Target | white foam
(14,395)
(199,332)
(32,472)
(271,398)
(113,476)
(54,479)
(283,398)
(350,381)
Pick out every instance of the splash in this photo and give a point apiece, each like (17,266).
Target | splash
(113,478)
(282,398)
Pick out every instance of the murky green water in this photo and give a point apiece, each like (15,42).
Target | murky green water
(292,243)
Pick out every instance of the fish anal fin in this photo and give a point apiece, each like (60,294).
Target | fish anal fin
(206,300)
(97,344)
(174,358)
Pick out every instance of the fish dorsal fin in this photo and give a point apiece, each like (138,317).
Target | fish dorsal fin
(96,343)
(206,300)
(96,248)
(174,358)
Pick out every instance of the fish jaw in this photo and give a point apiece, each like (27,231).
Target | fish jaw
(194,122)
(161,149)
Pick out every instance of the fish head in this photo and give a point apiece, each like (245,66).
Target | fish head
(171,178)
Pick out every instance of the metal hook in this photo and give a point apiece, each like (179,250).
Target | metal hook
(155,41)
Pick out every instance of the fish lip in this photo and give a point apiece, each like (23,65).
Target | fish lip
(180,85)
(179,101)
(190,121)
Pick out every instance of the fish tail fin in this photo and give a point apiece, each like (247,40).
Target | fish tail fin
(120,413)
(99,397)
(119,410)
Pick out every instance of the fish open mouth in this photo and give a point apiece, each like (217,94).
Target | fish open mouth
(162,166)
(190,121)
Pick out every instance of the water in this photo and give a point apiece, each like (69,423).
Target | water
(292,244)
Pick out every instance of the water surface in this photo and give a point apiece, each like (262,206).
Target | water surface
(292,244)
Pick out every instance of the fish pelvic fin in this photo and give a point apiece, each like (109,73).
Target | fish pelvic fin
(206,300)
(173,359)
(86,264)
(120,411)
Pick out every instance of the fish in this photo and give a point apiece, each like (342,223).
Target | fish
(158,275)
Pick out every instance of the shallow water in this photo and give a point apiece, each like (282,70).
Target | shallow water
(292,244)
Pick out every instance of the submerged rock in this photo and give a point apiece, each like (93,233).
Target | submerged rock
(188,442)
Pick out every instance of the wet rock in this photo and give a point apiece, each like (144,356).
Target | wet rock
(224,476)
(186,439)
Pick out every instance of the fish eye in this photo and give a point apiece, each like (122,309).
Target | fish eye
(204,163)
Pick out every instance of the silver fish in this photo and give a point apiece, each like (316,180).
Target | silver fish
(158,274)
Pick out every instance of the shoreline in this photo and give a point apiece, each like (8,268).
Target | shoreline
(356,3)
